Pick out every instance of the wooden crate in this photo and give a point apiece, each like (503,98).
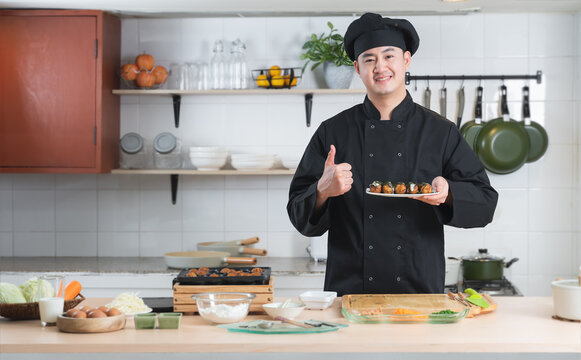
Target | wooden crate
(183,302)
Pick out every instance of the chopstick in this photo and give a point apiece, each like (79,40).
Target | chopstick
(462,297)
(457,298)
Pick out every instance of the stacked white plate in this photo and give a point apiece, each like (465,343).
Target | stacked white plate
(252,161)
(290,162)
(208,158)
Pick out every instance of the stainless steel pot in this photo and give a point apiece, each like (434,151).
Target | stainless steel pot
(484,266)
(452,271)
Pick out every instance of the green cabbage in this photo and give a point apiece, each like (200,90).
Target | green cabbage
(30,289)
(10,294)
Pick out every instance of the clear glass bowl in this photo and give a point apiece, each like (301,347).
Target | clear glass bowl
(223,308)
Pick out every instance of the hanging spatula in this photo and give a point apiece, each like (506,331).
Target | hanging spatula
(443,100)
(475,298)
(427,97)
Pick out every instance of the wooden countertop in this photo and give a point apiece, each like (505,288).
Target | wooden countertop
(519,325)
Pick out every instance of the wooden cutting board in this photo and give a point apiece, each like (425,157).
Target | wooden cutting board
(477,310)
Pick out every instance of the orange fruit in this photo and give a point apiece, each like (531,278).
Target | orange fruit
(262,81)
(274,71)
(145,79)
(145,61)
(129,72)
(160,74)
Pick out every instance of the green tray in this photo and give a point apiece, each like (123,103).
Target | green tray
(281,328)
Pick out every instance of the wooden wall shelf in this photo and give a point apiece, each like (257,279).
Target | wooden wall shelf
(200,172)
(175,173)
(177,95)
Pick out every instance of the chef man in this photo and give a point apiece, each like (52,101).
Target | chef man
(384,244)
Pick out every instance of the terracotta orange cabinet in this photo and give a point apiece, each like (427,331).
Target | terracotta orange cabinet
(57,110)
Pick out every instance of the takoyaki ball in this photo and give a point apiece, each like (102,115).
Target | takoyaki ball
(400,188)
(426,188)
(375,187)
(412,188)
(387,188)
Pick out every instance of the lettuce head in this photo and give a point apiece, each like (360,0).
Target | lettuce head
(10,294)
(31,287)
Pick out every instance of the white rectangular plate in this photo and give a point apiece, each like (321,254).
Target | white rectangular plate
(400,195)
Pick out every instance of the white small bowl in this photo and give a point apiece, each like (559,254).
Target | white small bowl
(291,311)
(290,163)
(208,149)
(318,299)
(208,162)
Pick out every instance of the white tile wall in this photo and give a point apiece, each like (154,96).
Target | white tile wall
(538,216)
(76,243)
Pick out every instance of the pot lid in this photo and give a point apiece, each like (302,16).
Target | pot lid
(482,255)
(164,143)
(131,143)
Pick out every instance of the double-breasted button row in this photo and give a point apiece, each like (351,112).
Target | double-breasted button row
(398,154)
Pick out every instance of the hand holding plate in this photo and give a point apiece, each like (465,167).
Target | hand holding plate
(440,186)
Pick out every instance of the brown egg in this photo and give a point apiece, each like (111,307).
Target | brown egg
(83,308)
(71,313)
(96,314)
(103,308)
(113,312)
(80,315)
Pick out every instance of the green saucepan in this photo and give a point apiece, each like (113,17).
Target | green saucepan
(471,129)
(538,138)
(483,266)
(502,144)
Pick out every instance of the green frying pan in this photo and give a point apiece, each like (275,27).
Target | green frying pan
(471,129)
(538,138)
(503,144)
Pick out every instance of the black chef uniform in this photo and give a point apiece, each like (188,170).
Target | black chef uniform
(389,245)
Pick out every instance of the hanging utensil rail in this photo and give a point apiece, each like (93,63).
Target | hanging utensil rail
(537,77)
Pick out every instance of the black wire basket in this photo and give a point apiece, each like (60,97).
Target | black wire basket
(269,79)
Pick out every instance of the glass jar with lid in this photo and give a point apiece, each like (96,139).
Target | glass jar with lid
(167,151)
(238,69)
(132,154)
(219,67)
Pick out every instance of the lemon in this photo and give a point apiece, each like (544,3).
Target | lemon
(274,71)
(262,81)
(277,81)
(287,81)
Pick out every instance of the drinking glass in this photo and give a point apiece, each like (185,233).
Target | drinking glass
(204,78)
(51,298)
(194,71)
(174,76)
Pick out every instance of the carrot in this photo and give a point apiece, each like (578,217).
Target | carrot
(72,290)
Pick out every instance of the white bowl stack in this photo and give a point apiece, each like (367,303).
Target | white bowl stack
(253,161)
(290,162)
(208,158)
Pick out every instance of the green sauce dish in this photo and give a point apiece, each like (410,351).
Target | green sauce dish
(169,320)
(145,321)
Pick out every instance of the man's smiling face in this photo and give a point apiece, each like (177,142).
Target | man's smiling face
(382,70)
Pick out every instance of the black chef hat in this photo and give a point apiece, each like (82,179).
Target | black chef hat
(373,30)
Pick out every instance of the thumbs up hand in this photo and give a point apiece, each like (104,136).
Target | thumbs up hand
(336,179)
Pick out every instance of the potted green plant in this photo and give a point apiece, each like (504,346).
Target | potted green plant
(328,49)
